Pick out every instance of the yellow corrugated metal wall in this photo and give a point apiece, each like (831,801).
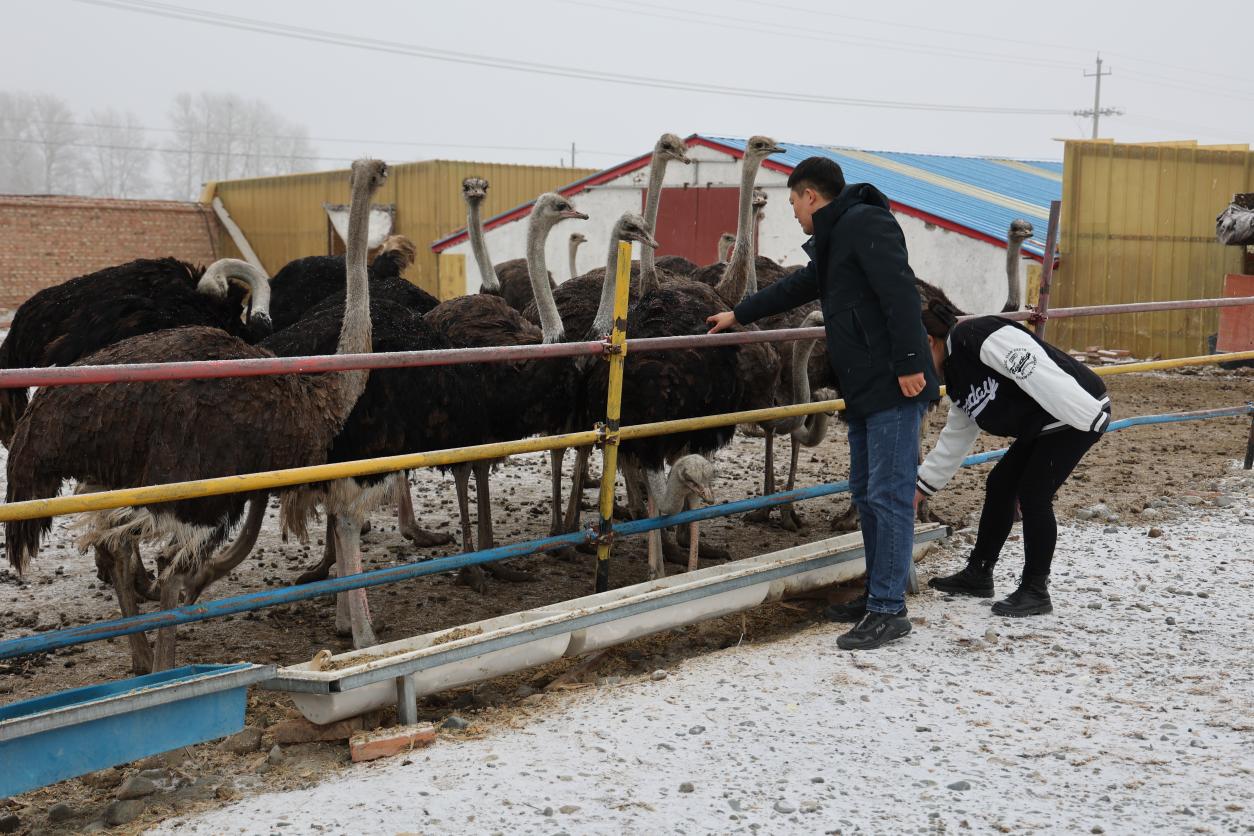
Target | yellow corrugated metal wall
(1138,225)
(283,219)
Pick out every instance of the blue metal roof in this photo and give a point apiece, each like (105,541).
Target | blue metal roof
(981,194)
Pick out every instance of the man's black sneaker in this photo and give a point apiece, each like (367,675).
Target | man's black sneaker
(875,629)
(976,579)
(850,612)
(1031,598)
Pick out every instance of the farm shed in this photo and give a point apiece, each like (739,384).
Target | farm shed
(955,212)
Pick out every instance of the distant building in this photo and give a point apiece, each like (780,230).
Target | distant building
(955,212)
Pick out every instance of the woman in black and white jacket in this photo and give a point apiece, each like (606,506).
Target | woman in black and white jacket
(1004,380)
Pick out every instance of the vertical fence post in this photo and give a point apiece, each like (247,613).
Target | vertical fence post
(1047,267)
(616,355)
(1249,447)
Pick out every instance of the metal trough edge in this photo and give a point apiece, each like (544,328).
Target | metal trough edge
(299,680)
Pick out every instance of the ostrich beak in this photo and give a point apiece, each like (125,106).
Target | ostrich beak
(574,213)
(706,493)
(650,240)
(775,149)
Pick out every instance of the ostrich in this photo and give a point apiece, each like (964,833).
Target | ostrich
(725,243)
(677,265)
(690,478)
(1020,231)
(686,383)
(510,280)
(765,270)
(62,324)
(303,283)
(130,434)
(522,398)
(576,238)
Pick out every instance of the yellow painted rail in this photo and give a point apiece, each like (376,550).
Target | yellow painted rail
(35,508)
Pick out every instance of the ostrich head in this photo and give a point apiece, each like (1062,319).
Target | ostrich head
(225,272)
(759,200)
(403,247)
(577,238)
(695,476)
(632,227)
(761,147)
(671,147)
(474,189)
(551,208)
(373,172)
(1020,230)
(725,243)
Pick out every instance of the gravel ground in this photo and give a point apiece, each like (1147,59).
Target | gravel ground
(1129,710)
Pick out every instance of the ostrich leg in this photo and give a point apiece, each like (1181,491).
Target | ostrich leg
(709,551)
(472,576)
(171,587)
(694,538)
(656,568)
(483,500)
(578,483)
(762,515)
(788,517)
(421,537)
(348,562)
(556,458)
(224,561)
(121,571)
(323,570)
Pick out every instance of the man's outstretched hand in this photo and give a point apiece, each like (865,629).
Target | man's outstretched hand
(721,321)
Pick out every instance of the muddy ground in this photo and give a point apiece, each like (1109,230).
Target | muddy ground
(1125,472)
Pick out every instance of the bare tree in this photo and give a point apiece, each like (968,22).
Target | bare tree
(118,157)
(223,137)
(57,140)
(19,163)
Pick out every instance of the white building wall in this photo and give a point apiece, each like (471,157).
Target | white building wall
(970,271)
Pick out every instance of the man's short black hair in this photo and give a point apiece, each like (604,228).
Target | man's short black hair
(818,173)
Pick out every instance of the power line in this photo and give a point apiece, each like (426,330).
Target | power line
(758,26)
(243,155)
(535,68)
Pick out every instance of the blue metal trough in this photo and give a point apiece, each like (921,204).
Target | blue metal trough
(59,736)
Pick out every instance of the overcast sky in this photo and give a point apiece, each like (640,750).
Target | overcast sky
(1183,75)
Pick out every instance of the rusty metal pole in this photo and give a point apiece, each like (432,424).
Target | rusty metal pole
(616,353)
(1047,268)
(1249,447)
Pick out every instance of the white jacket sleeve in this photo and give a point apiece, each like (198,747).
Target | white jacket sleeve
(1015,354)
(955,442)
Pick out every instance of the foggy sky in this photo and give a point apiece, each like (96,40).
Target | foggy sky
(100,57)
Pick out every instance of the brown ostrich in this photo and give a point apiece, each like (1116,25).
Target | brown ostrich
(131,434)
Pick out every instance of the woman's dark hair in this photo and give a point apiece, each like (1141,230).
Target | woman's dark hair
(939,319)
(818,173)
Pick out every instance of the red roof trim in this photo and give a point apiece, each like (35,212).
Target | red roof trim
(696,140)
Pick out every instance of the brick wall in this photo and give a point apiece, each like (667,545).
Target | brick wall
(46,240)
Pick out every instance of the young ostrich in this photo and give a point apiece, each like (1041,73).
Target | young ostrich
(690,478)
(572,248)
(130,434)
(510,280)
(60,325)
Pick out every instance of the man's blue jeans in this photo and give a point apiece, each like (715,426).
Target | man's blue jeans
(883,466)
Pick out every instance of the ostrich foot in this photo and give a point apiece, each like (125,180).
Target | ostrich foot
(847,521)
(505,573)
(571,554)
(474,577)
(758,515)
(675,552)
(789,519)
(705,550)
(622,512)
(591,483)
(422,538)
(365,527)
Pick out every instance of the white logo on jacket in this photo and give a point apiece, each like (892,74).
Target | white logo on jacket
(979,397)
(1020,363)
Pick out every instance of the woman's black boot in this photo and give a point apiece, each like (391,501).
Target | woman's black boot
(975,579)
(1031,598)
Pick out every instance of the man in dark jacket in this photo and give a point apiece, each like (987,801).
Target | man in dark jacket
(858,271)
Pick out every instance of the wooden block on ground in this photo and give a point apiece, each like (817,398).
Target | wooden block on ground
(383,743)
(300,730)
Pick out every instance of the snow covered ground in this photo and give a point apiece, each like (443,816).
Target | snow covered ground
(1130,710)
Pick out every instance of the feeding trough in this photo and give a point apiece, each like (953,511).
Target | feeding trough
(48,739)
(398,672)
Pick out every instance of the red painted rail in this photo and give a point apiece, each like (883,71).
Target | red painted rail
(205,369)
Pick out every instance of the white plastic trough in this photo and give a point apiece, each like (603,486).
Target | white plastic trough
(364,680)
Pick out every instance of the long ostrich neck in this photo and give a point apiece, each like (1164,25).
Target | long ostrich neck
(751,286)
(740,271)
(1013,248)
(653,198)
(811,429)
(574,246)
(605,307)
(355,334)
(478,246)
(550,320)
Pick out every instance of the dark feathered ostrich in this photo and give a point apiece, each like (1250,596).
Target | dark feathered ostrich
(688,383)
(522,398)
(305,282)
(64,323)
(408,410)
(130,434)
(510,280)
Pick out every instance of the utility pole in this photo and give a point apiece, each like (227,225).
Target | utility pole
(1098,111)
(572,154)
